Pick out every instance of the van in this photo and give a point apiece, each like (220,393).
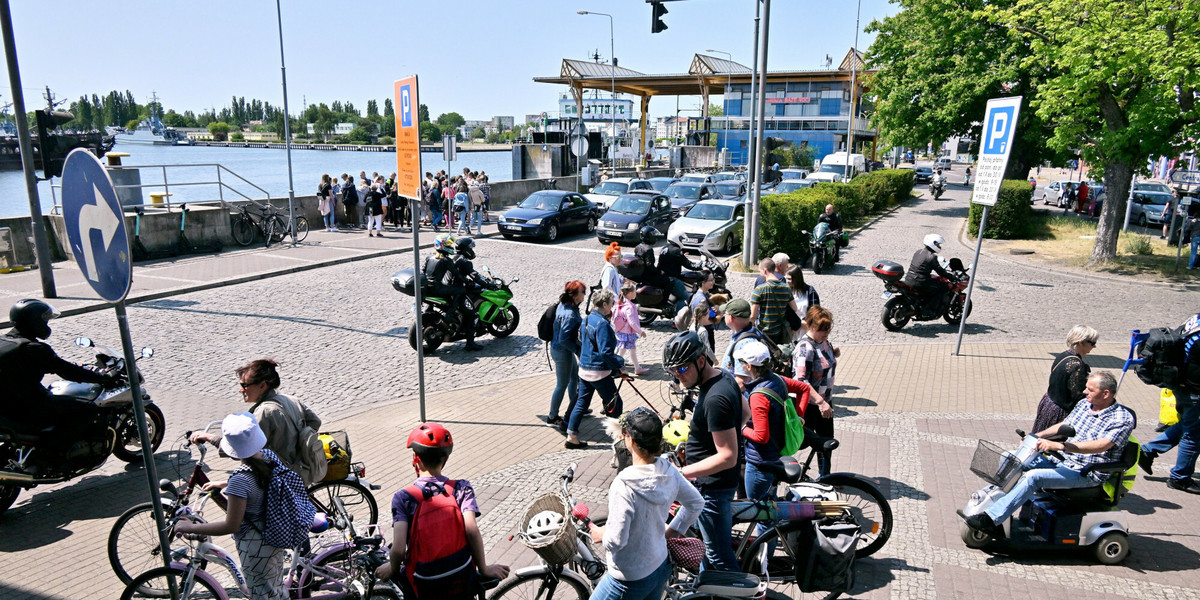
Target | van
(840,166)
(944,163)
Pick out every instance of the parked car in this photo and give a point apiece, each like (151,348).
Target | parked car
(715,225)
(1052,194)
(1148,207)
(607,191)
(1152,186)
(729,175)
(698,178)
(923,175)
(544,214)
(684,194)
(629,213)
(793,173)
(660,184)
(732,189)
(791,186)
(944,163)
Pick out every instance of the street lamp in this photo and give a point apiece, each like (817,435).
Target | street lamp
(728,75)
(612,63)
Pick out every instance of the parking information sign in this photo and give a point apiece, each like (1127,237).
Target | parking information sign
(408,138)
(95,225)
(999,126)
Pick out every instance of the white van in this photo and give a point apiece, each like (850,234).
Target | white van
(840,167)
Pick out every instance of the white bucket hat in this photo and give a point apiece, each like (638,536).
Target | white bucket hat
(241,437)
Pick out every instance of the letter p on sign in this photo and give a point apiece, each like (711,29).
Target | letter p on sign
(999,130)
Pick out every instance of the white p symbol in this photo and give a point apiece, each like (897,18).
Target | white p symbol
(999,131)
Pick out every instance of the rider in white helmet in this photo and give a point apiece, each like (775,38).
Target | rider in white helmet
(924,263)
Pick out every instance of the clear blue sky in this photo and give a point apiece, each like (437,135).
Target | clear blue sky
(474,57)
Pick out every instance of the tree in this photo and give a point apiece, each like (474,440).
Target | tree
(237,137)
(430,132)
(715,110)
(447,121)
(422,113)
(478,133)
(939,63)
(494,137)
(372,108)
(388,111)
(359,134)
(1121,86)
(219,130)
(133,123)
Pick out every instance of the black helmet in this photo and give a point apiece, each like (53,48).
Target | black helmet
(683,348)
(31,318)
(466,248)
(650,235)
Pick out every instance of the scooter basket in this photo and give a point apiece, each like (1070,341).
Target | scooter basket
(994,464)
(559,547)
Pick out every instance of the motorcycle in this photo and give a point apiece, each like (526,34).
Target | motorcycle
(495,312)
(937,189)
(653,301)
(25,461)
(824,247)
(904,304)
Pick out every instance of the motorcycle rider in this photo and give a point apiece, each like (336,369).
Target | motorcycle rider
(442,277)
(464,254)
(924,263)
(25,359)
(653,273)
(831,217)
(671,262)
(938,183)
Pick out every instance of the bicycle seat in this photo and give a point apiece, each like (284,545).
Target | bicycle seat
(812,440)
(727,584)
(787,472)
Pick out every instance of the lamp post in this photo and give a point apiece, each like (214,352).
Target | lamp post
(612,63)
(728,76)
(853,90)
(287,129)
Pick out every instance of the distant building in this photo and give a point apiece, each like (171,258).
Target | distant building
(674,128)
(464,130)
(503,123)
(338,129)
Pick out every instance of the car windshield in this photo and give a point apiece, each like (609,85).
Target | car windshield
(710,212)
(725,176)
(792,175)
(541,201)
(732,188)
(611,188)
(690,192)
(791,186)
(695,178)
(1151,187)
(1151,199)
(635,205)
(660,184)
(924,170)
(839,169)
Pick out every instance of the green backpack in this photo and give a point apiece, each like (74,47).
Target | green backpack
(793,425)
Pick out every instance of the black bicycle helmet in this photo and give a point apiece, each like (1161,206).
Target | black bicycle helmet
(31,318)
(466,248)
(650,235)
(683,348)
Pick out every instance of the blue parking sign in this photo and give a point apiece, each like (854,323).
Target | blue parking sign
(406,119)
(95,224)
(1001,122)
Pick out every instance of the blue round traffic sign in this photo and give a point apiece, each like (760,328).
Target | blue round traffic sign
(95,225)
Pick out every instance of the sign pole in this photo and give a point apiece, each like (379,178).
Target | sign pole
(408,182)
(962,323)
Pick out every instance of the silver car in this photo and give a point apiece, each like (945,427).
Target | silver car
(714,225)
(1148,207)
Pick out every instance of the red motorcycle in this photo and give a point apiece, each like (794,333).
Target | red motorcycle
(904,304)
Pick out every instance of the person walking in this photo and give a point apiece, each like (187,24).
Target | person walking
(434,202)
(815,361)
(1185,433)
(598,364)
(1192,229)
(460,203)
(1068,377)
(565,349)
(476,200)
(374,207)
(1081,200)
(364,188)
(610,278)
(804,295)
(628,326)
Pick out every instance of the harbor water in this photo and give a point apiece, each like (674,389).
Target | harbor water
(263,167)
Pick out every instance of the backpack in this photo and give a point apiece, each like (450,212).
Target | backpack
(289,512)
(793,426)
(439,562)
(309,448)
(545,328)
(781,361)
(1165,355)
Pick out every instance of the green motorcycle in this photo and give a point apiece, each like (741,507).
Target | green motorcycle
(495,312)
(824,248)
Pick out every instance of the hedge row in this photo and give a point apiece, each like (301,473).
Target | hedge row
(785,216)
(1008,218)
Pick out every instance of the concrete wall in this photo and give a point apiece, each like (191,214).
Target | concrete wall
(511,193)
(22,239)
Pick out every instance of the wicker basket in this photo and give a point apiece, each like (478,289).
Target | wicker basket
(555,549)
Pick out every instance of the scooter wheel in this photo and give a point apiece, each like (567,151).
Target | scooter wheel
(1111,548)
(974,538)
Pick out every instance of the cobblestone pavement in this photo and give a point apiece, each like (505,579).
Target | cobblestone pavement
(905,405)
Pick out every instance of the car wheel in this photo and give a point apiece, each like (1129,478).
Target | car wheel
(508,236)
(1142,220)
(552,232)
(591,225)
(730,244)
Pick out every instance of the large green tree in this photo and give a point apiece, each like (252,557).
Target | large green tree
(1121,85)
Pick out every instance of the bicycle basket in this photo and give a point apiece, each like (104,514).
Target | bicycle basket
(995,465)
(824,552)
(337,453)
(557,547)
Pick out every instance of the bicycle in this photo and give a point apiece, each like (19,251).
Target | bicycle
(272,225)
(133,540)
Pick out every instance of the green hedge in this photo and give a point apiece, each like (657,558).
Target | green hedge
(785,216)
(1008,218)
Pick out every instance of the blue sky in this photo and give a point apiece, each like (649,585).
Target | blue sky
(474,57)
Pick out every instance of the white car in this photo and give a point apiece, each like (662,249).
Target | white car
(793,173)
(1052,194)
(714,225)
(606,191)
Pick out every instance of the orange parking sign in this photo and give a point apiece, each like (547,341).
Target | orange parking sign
(408,139)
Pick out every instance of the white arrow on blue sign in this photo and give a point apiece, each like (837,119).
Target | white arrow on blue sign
(95,225)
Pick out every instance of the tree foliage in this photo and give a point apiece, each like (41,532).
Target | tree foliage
(451,119)
(219,130)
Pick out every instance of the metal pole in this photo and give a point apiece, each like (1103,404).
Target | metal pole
(853,89)
(962,323)
(750,257)
(753,179)
(287,129)
(40,241)
(724,113)
(612,63)
(418,279)
(139,413)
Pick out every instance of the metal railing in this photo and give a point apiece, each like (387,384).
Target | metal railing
(222,185)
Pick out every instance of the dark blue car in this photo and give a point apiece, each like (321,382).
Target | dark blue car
(544,214)
(629,213)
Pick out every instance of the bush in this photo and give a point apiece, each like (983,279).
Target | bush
(1007,220)
(884,187)
(387,141)
(1139,245)
(237,137)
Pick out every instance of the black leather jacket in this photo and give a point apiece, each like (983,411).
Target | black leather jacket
(671,261)
(23,363)
(442,276)
(835,221)
(924,262)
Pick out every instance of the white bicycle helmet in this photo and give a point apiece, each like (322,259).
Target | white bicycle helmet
(934,242)
(543,526)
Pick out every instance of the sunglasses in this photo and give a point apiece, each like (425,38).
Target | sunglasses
(246,385)
(680,370)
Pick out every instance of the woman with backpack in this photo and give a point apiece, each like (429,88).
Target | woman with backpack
(564,349)
(246,515)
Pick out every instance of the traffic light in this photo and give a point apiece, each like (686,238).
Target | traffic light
(657,10)
(52,152)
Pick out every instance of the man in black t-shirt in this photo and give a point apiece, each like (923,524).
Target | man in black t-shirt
(713,446)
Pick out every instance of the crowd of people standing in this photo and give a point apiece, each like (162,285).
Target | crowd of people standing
(459,201)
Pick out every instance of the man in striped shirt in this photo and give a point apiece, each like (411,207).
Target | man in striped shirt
(769,301)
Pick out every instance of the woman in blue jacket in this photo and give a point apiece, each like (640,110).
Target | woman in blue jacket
(598,364)
(564,348)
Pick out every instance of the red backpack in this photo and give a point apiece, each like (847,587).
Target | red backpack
(439,562)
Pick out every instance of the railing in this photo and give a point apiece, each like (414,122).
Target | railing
(222,185)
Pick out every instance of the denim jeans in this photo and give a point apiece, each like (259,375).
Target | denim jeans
(716,527)
(477,221)
(1043,475)
(760,485)
(1182,434)
(649,587)
(1192,262)
(680,292)
(608,393)
(330,220)
(461,222)
(566,373)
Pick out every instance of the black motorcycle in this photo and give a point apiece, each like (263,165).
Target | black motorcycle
(904,304)
(824,247)
(25,460)
(937,189)
(495,312)
(654,302)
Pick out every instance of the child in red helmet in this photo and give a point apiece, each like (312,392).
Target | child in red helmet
(431,445)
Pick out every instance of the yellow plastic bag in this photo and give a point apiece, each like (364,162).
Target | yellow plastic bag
(1167,414)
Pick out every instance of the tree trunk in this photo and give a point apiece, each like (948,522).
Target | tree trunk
(1118,177)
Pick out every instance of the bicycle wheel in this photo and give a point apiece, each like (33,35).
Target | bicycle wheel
(325,576)
(541,586)
(243,230)
(868,507)
(301,229)
(359,501)
(156,582)
(133,544)
(276,228)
